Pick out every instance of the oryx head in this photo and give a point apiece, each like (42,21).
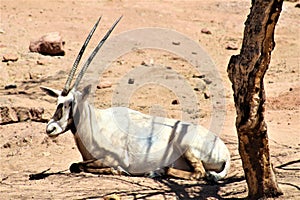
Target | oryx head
(62,119)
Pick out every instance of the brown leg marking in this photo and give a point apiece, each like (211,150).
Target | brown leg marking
(93,166)
(199,171)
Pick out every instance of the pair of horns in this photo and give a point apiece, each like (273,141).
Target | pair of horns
(91,57)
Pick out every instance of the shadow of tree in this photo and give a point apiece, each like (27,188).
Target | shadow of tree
(199,190)
(164,187)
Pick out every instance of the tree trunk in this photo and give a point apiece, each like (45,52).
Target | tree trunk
(246,72)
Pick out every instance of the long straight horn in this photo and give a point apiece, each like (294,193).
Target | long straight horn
(93,54)
(73,70)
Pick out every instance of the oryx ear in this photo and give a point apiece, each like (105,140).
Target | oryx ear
(51,92)
(86,91)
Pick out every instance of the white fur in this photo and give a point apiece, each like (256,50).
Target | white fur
(139,143)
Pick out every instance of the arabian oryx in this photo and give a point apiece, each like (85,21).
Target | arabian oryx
(119,140)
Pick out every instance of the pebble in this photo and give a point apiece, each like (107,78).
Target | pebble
(206,95)
(199,76)
(10,57)
(104,84)
(49,44)
(175,102)
(39,62)
(7,145)
(207,81)
(231,47)
(10,86)
(176,43)
(131,81)
(206,31)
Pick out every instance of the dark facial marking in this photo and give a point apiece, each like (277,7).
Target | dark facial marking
(58,113)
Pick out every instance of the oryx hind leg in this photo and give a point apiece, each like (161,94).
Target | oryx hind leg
(94,167)
(196,163)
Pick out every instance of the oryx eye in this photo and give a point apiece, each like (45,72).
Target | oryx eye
(58,113)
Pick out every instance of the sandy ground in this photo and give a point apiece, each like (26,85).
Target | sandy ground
(25,149)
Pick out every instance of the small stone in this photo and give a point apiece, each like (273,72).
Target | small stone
(207,81)
(206,95)
(7,145)
(104,84)
(297,5)
(198,76)
(10,86)
(10,57)
(144,63)
(131,81)
(291,89)
(39,62)
(175,102)
(176,43)
(121,62)
(206,31)
(147,64)
(231,47)
(49,44)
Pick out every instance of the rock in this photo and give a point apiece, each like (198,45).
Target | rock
(175,102)
(147,64)
(176,43)
(297,5)
(207,81)
(10,57)
(6,145)
(206,31)
(7,115)
(18,114)
(10,86)
(231,47)
(104,84)
(131,81)
(198,76)
(49,44)
(144,63)
(206,95)
(39,62)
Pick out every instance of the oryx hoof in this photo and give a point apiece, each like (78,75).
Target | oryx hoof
(197,175)
(75,168)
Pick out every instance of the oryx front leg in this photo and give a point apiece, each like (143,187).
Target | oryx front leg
(196,163)
(94,167)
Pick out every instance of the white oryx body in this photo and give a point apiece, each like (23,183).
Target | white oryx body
(137,143)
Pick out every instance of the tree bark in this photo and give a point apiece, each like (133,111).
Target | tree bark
(246,72)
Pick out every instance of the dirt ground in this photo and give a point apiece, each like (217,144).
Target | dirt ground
(26,150)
